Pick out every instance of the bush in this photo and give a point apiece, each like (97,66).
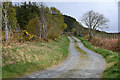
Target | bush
(28,36)
(33,26)
(109,44)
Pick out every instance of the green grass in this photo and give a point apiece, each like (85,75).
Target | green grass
(33,56)
(112,68)
(78,48)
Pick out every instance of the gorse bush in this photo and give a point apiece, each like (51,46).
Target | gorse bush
(18,37)
(28,36)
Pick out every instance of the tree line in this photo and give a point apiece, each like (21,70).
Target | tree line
(34,18)
(93,21)
(72,25)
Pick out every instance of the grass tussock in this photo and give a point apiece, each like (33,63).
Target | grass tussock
(22,59)
(112,58)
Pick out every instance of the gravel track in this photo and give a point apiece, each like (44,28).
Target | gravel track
(90,65)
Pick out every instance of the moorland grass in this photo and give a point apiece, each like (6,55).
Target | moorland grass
(23,59)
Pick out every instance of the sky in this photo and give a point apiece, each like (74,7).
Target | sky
(76,9)
(119,17)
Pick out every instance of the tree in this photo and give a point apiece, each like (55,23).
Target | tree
(48,24)
(58,24)
(77,27)
(9,19)
(70,23)
(51,22)
(33,26)
(5,7)
(43,20)
(12,21)
(94,20)
(25,12)
(0,20)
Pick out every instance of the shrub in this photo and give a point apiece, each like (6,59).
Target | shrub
(28,36)
(33,26)
(109,44)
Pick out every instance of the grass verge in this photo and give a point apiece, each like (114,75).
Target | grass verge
(23,59)
(112,58)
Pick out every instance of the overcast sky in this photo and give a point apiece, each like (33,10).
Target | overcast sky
(76,9)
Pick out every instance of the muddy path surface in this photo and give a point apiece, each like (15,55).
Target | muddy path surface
(77,65)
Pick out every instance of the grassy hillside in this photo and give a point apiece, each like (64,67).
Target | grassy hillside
(112,58)
(21,59)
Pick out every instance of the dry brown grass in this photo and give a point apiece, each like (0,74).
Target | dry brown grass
(109,44)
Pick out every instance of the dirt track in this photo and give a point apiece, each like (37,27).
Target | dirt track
(77,65)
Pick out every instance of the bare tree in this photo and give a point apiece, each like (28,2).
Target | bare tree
(42,20)
(5,6)
(94,20)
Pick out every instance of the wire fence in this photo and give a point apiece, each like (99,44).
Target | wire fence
(101,34)
(106,35)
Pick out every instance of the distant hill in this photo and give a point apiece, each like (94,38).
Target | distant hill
(70,22)
(82,31)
